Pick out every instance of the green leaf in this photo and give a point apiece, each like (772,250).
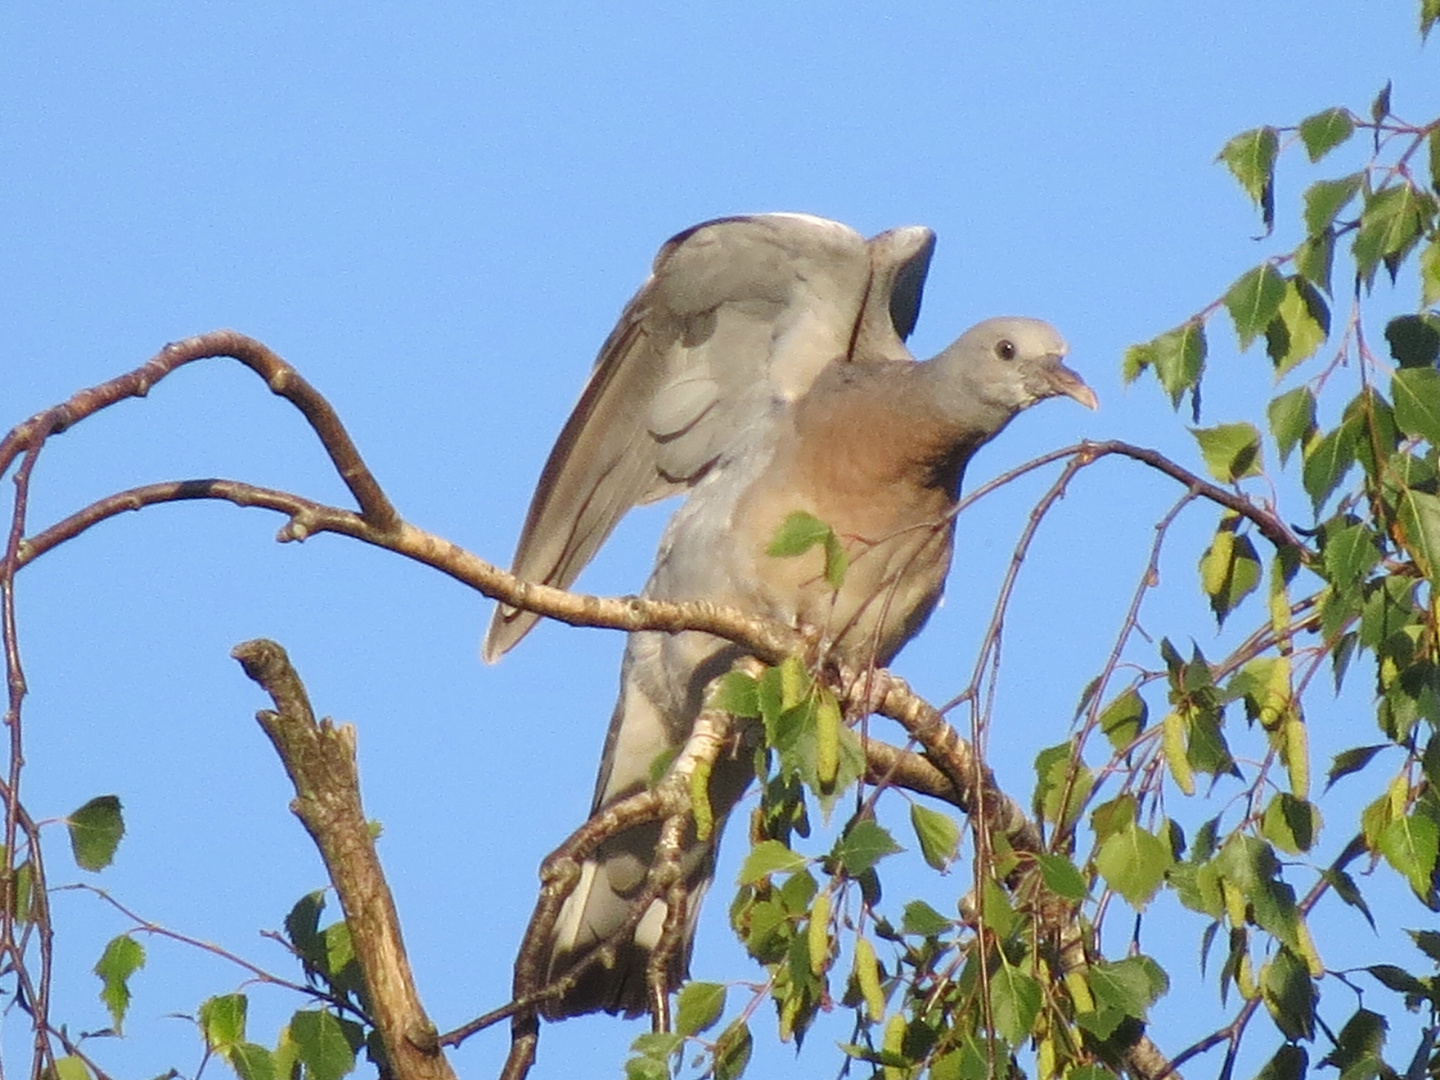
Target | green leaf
(1430,756)
(1324,131)
(340,968)
(1349,553)
(71,1068)
(765,927)
(939,835)
(1136,359)
(1291,824)
(1397,979)
(1358,1046)
(1114,816)
(769,857)
(1014,1002)
(865,844)
(1315,257)
(1416,391)
(1131,985)
(1208,751)
(302,929)
(1205,846)
(647,1068)
(1290,995)
(797,534)
(1124,718)
(1133,863)
(24,890)
(1324,199)
(700,1007)
(1231,451)
(1054,783)
(222,1021)
(1430,270)
(801,531)
(972,1062)
(1391,224)
(920,918)
(1429,12)
(997,912)
(251,1062)
(1327,460)
(95,832)
(1374,421)
(1289,1063)
(1428,942)
(1061,877)
(732,1051)
(798,891)
(1419,521)
(1101,1023)
(1409,845)
(1300,326)
(1292,418)
(1247,862)
(1380,107)
(122,958)
(737,694)
(1414,340)
(653,1053)
(1254,300)
(1198,888)
(1178,357)
(1250,156)
(323,1047)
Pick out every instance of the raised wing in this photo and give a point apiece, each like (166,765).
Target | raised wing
(737,319)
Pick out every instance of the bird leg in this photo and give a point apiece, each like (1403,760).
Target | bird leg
(666,876)
(673,803)
(559,874)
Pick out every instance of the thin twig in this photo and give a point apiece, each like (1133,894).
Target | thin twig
(259,974)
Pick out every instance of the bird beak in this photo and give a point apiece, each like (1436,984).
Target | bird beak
(1060,379)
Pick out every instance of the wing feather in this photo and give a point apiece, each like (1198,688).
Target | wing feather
(738,316)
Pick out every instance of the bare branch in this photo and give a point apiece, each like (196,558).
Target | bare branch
(320,759)
(1265,521)
(892,766)
(970,779)
(282,379)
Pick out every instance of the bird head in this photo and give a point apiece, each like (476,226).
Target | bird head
(1000,366)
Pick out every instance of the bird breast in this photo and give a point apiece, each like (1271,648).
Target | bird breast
(882,473)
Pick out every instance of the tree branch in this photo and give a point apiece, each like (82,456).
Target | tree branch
(282,379)
(320,759)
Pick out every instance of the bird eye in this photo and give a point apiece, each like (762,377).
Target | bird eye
(1005,349)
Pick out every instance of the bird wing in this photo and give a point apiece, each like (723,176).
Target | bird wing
(736,320)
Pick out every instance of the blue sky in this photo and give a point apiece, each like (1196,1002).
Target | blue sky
(435,211)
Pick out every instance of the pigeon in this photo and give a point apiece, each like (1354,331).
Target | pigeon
(762,371)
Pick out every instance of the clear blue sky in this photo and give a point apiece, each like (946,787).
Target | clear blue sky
(435,210)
